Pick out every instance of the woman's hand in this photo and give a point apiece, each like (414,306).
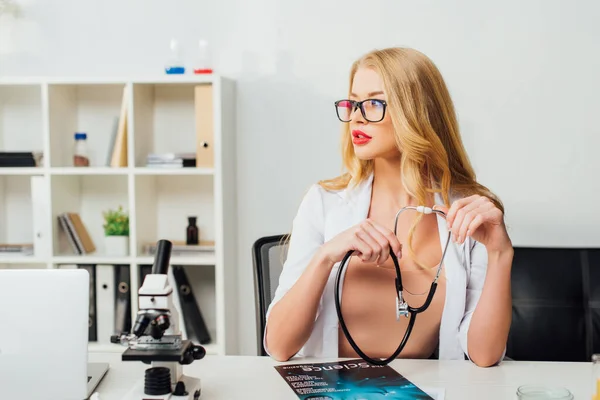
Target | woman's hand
(478,217)
(370,242)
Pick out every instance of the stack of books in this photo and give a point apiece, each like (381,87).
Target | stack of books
(17,249)
(19,159)
(76,233)
(171,160)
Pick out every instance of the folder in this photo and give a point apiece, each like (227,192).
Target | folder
(122,300)
(205,144)
(40,213)
(105,302)
(91,269)
(195,326)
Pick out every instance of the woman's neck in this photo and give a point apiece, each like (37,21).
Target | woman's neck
(387,182)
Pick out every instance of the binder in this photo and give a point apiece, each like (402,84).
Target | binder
(105,302)
(91,269)
(119,151)
(122,300)
(205,146)
(40,213)
(92,323)
(195,325)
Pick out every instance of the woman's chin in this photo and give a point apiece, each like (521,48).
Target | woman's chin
(364,154)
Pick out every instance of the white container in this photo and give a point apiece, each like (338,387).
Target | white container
(116,246)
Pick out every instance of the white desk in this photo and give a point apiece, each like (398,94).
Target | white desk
(241,377)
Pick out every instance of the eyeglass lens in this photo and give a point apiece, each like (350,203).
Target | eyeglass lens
(372,109)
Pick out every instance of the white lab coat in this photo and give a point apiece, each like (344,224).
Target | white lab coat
(322,215)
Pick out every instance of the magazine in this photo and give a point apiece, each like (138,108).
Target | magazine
(350,380)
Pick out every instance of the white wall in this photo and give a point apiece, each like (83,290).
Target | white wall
(523,74)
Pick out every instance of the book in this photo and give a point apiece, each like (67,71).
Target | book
(349,379)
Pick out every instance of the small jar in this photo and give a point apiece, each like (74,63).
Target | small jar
(535,392)
(80,154)
(192,232)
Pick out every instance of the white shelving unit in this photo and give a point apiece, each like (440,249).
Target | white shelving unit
(42,114)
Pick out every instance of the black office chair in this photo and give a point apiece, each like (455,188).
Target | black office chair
(555,296)
(268,255)
(556,304)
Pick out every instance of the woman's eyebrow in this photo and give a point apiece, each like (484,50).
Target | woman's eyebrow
(370,94)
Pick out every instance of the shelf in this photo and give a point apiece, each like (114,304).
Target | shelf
(165,114)
(22,171)
(6,259)
(164,78)
(21,120)
(208,259)
(91,259)
(93,108)
(88,171)
(173,171)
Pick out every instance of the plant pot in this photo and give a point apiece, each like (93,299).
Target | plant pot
(116,245)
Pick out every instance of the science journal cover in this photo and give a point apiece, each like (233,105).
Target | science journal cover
(349,380)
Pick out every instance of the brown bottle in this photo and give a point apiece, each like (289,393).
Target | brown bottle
(192,231)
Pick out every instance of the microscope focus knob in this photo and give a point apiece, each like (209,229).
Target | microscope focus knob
(180,389)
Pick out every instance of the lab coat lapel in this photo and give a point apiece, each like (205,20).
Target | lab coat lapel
(456,281)
(353,208)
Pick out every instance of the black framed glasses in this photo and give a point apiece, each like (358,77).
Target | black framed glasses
(373,110)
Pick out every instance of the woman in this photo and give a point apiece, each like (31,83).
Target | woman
(401,146)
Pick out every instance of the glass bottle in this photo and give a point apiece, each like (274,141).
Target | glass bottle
(203,63)
(80,153)
(175,64)
(192,231)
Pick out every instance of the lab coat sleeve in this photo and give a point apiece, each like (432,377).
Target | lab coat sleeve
(306,238)
(475,279)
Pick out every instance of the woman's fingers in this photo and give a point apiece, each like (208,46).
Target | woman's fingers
(390,239)
(458,205)
(374,249)
(362,249)
(463,216)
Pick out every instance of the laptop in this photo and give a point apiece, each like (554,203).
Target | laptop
(44,317)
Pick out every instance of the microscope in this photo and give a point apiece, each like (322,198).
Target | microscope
(157,340)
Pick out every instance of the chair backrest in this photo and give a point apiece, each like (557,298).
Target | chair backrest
(268,256)
(555,296)
(556,304)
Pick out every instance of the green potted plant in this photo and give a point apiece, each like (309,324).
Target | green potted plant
(116,232)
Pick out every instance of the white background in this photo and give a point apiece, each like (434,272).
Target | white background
(524,75)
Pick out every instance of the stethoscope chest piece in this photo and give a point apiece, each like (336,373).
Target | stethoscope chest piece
(401,309)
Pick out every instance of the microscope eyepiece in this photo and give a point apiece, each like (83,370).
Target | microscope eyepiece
(162,258)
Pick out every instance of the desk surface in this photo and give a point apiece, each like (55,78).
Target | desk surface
(246,377)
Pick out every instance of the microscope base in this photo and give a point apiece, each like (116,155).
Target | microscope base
(192,387)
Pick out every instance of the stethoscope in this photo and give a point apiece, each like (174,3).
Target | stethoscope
(402,307)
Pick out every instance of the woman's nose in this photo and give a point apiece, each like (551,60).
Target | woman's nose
(357,116)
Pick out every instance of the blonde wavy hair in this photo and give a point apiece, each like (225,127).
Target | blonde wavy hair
(433,157)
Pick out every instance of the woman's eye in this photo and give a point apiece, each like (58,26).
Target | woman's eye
(374,103)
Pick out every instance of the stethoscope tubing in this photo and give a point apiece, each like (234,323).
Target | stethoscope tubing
(412,311)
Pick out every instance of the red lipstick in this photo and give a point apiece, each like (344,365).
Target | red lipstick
(360,138)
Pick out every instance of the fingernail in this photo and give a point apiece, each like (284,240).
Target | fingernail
(399,255)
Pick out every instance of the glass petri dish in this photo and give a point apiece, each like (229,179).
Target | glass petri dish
(536,392)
